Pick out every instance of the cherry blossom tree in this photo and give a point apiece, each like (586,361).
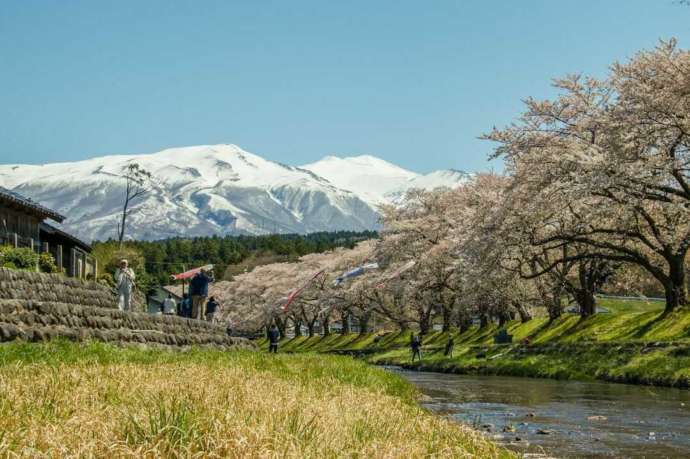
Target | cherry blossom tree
(613,154)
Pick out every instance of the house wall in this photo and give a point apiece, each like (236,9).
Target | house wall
(23,224)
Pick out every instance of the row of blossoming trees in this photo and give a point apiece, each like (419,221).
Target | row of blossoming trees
(596,191)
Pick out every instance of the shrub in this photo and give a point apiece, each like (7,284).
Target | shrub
(18,258)
(26,259)
(46,263)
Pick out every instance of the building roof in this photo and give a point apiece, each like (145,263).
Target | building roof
(173,290)
(16,198)
(49,229)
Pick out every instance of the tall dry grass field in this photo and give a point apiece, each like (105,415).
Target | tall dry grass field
(69,400)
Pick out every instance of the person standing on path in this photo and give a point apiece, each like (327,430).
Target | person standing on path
(273,339)
(416,345)
(449,346)
(124,284)
(198,288)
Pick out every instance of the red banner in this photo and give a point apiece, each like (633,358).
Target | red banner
(293,295)
(191,272)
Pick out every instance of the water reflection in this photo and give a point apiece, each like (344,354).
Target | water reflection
(565,418)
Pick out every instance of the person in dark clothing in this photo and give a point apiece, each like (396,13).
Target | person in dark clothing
(416,345)
(198,289)
(273,339)
(449,347)
(185,306)
(211,307)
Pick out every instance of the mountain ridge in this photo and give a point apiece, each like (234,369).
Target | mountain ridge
(220,189)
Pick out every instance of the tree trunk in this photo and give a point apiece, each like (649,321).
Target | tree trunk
(483,320)
(281,327)
(424,324)
(675,289)
(588,272)
(447,318)
(310,328)
(345,330)
(364,324)
(586,301)
(123,219)
(555,306)
(524,314)
(464,324)
(502,319)
(297,327)
(326,325)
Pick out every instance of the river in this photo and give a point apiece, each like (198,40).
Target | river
(564,418)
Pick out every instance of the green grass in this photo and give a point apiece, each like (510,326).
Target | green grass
(301,367)
(624,306)
(645,347)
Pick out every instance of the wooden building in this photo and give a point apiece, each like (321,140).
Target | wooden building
(23,224)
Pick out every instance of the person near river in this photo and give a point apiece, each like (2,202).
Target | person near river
(416,345)
(448,352)
(124,284)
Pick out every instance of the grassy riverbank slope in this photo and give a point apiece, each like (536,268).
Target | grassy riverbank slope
(95,400)
(639,347)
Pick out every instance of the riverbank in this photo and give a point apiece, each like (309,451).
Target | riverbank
(98,400)
(637,348)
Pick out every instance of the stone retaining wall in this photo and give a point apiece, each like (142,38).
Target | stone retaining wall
(37,321)
(24,285)
(36,307)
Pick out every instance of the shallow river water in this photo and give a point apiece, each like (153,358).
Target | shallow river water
(564,418)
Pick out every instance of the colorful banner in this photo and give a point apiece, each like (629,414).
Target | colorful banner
(358,271)
(293,295)
(191,272)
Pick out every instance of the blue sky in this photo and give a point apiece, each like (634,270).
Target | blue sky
(412,82)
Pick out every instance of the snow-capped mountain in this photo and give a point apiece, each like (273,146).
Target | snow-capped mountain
(219,189)
(377,181)
(369,177)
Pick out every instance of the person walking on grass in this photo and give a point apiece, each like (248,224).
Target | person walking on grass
(198,288)
(449,346)
(273,336)
(211,307)
(124,283)
(416,345)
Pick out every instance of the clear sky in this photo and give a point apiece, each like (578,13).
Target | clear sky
(413,82)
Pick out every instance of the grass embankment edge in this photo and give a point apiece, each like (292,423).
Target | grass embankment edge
(647,348)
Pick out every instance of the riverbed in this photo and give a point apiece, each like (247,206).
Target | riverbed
(551,418)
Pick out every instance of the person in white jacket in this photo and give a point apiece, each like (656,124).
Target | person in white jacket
(169,305)
(124,283)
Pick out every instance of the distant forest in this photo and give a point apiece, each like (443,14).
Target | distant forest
(230,254)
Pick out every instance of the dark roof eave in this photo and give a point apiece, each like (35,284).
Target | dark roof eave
(53,230)
(14,197)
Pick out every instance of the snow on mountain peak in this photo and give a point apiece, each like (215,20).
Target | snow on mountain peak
(220,189)
(368,176)
(378,181)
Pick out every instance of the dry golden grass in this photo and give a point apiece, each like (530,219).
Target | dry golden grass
(241,406)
